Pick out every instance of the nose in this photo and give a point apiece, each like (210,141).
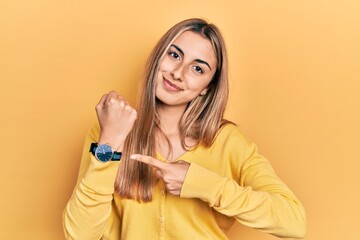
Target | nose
(178,72)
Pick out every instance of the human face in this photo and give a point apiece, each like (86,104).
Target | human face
(185,70)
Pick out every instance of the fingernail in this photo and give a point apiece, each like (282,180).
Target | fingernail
(132,156)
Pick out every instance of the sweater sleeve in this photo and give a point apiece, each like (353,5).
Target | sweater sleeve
(258,198)
(87,212)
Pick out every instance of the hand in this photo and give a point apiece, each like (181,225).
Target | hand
(116,118)
(173,174)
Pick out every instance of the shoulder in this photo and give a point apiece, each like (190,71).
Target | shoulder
(232,145)
(231,132)
(231,139)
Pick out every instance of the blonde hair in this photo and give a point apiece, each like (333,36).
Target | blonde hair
(201,120)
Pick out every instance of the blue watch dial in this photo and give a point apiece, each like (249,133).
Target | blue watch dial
(104,153)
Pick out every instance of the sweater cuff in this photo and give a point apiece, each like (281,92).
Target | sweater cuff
(201,183)
(100,177)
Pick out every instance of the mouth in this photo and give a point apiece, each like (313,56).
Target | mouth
(170,86)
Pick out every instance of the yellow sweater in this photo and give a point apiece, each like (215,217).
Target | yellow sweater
(228,181)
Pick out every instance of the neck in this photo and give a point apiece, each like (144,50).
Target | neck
(169,117)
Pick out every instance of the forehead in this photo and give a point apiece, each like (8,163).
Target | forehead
(196,46)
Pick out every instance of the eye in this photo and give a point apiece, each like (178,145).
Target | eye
(198,69)
(174,55)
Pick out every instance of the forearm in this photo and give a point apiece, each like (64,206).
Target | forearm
(275,211)
(87,212)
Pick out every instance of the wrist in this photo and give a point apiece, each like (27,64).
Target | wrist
(117,145)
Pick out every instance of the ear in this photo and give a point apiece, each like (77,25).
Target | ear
(203,92)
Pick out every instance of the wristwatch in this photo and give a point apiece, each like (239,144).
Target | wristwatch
(104,153)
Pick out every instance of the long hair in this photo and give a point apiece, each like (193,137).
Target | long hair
(201,120)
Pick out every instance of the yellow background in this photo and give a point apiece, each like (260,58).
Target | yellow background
(295,91)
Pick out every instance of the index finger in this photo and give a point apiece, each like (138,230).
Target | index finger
(148,160)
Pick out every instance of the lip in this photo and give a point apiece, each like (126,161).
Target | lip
(170,86)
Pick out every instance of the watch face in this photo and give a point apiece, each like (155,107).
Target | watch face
(104,153)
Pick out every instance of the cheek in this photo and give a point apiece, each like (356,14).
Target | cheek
(164,64)
(198,84)
(162,68)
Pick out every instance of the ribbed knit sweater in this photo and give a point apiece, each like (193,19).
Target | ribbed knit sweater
(229,181)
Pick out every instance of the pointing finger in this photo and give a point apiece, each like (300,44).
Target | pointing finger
(148,160)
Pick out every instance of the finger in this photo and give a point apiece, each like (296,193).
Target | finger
(120,97)
(112,95)
(148,160)
(158,173)
(180,161)
(102,100)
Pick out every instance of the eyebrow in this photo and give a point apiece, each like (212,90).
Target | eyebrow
(196,60)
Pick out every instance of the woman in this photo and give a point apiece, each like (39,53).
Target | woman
(185,172)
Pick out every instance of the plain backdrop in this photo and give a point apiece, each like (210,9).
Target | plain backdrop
(295,91)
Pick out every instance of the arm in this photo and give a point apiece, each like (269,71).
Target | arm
(87,211)
(258,198)
(252,193)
